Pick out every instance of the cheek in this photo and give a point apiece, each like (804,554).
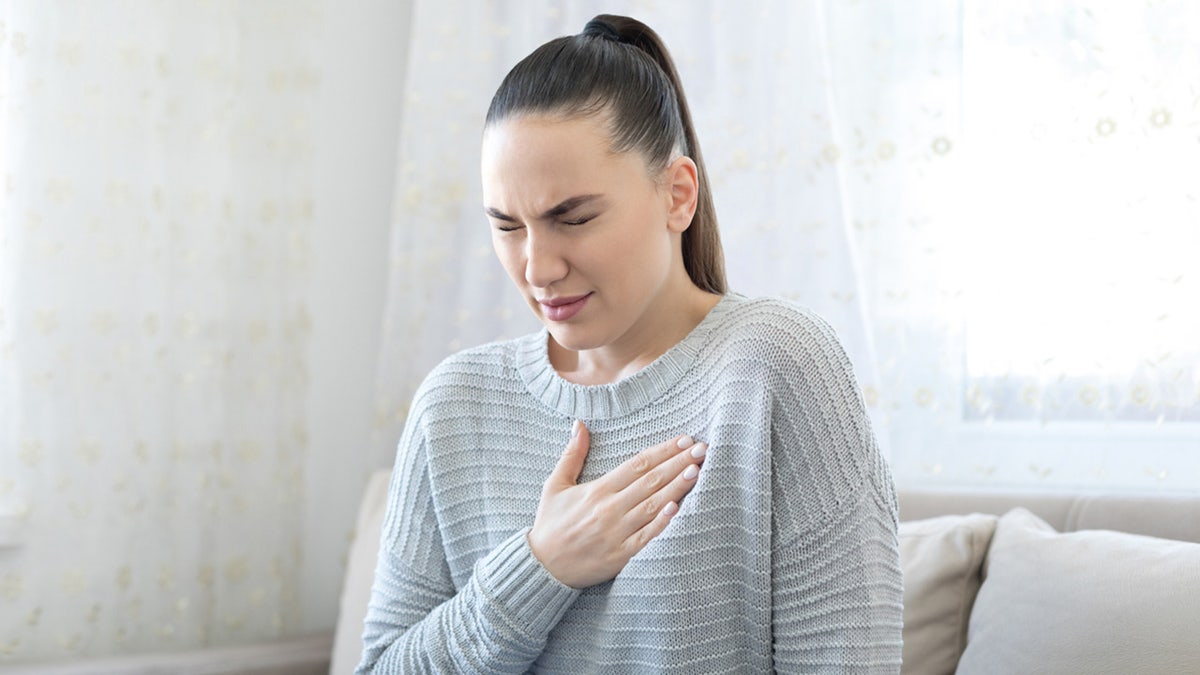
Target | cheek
(650,245)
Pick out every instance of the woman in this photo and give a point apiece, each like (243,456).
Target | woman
(720,504)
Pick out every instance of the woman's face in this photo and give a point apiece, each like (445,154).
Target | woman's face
(590,237)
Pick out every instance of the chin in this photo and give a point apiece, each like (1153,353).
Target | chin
(573,340)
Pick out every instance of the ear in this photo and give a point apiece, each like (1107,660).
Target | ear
(682,183)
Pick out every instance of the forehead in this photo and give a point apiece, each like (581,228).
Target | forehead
(526,153)
(528,141)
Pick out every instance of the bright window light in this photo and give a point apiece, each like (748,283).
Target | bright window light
(1083,148)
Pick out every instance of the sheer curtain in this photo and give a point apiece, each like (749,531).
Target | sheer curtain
(155,213)
(768,163)
(991,204)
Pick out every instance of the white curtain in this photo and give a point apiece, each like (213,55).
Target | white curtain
(768,169)
(994,204)
(155,214)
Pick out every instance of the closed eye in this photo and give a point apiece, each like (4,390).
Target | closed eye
(577,221)
(502,221)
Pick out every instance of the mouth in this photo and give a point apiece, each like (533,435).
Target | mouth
(564,307)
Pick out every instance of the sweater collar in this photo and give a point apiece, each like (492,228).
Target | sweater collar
(602,401)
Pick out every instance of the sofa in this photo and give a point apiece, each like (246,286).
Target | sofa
(1011,582)
(994,582)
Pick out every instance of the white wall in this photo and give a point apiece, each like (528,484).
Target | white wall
(358,122)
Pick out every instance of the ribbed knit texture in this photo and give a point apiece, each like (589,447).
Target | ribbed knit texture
(784,556)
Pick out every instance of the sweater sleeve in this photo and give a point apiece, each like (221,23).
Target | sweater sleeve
(836,578)
(419,622)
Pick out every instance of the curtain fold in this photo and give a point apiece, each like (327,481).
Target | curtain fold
(782,94)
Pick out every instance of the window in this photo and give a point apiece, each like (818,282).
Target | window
(1083,149)
(1076,347)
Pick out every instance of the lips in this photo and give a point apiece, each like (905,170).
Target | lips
(564,307)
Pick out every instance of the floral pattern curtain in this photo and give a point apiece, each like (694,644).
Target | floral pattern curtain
(155,212)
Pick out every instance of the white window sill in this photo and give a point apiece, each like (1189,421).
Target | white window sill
(1113,457)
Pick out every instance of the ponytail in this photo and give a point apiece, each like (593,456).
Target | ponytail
(620,67)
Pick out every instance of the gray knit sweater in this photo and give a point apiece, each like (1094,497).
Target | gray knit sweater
(783,556)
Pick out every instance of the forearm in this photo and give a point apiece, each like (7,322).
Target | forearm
(497,623)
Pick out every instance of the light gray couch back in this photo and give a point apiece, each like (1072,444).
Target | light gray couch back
(1173,516)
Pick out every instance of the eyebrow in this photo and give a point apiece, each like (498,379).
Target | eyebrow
(562,208)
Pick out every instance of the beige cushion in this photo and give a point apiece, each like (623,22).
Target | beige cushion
(1093,601)
(941,558)
(360,573)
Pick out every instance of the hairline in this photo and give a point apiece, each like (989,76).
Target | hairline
(593,109)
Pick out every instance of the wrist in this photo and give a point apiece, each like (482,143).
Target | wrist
(542,556)
(521,588)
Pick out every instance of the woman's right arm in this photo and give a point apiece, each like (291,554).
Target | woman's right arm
(499,621)
(417,622)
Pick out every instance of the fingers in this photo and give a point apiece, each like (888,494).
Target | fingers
(656,525)
(570,464)
(668,484)
(672,478)
(645,461)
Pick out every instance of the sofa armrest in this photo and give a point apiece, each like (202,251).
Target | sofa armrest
(360,572)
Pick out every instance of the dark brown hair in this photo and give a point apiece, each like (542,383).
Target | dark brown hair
(619,67)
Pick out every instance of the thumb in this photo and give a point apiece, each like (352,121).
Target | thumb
(570,464)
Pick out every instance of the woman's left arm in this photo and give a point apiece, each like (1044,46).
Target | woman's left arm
(836,579)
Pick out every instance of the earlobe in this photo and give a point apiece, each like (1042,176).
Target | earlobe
(684,183)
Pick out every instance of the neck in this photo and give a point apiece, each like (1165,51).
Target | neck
(647,342)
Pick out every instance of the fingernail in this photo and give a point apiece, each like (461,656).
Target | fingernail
(698,450)
(670,508)
(575,428)
(690,472)
(685,442)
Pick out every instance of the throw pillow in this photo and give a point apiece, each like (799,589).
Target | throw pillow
(1084,602)
(941,558)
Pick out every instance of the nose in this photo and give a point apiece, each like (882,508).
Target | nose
(544,262)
